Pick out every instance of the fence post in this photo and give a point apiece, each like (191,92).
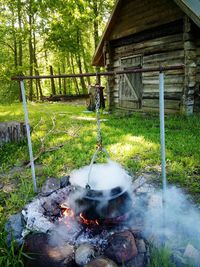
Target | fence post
(28,134)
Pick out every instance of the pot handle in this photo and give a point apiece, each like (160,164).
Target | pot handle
(99,149)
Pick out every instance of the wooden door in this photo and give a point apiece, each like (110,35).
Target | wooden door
(130,94)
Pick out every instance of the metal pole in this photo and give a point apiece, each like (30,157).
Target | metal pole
(162,133)
(28,135)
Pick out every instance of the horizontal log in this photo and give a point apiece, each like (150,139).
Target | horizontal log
(167,111)
(158,32)
(142,49)
(169,73)
(166,40)
(189,45)
(128,104)
(164,62)
(198,51)
(66,97)
(172,55)
(154,103)
(145,22)
(168,81)
(176,88)
(167,95)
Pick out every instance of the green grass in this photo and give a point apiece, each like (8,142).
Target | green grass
(132,141)
(161,257)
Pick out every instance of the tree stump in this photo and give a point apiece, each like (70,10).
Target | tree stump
(92,96)
(12,131)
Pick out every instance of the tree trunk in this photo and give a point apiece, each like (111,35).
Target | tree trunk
(20,60)
(96,27)
(20,35)
(79,63)
(70,70)
(83,85)
(14,40)
(53,88)
(85,61)
(38,83)
(59,82)
(64,79)
(30,18)
(73,71)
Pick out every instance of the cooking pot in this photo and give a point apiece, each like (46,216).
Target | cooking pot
(103,204)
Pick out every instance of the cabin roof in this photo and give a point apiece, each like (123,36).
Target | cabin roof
(190,7)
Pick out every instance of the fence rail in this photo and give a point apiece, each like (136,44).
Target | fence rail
(106,73)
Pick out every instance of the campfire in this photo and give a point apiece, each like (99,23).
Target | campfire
(94,219)
(106,225)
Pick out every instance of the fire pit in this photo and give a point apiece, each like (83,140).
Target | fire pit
(72,225)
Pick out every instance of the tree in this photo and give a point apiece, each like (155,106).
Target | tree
(36,34)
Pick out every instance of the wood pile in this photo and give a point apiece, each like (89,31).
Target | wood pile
(57,98)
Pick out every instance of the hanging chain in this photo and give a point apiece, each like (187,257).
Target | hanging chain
(99,138)
(100,147)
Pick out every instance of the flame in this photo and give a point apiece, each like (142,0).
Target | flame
(68,212)
(88,222)
(67,215)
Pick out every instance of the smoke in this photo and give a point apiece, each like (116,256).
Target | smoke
(103,176)
(176,223)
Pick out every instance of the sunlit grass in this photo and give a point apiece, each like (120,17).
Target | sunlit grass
(132,141)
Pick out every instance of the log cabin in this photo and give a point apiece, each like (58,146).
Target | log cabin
(152,33)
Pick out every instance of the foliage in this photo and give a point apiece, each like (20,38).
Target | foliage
(36,34)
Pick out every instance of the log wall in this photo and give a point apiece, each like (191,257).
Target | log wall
(161,34)
(197,87)
(136,16)
(167,50)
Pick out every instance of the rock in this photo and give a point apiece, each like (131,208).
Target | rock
(145,189)
(121,247)
(64,181)
(49,186)
(51,208)
(14,228)
(178,259)
(141,246)
(43,254)
(140,181)
(9,188)
(84,254)
(137,261)
(101,262)
(192,254)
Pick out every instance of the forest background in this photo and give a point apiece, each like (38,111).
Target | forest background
(48,37)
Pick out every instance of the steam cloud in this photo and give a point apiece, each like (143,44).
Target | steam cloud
(104,176)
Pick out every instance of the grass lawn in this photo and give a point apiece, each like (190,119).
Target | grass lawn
(132,141)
